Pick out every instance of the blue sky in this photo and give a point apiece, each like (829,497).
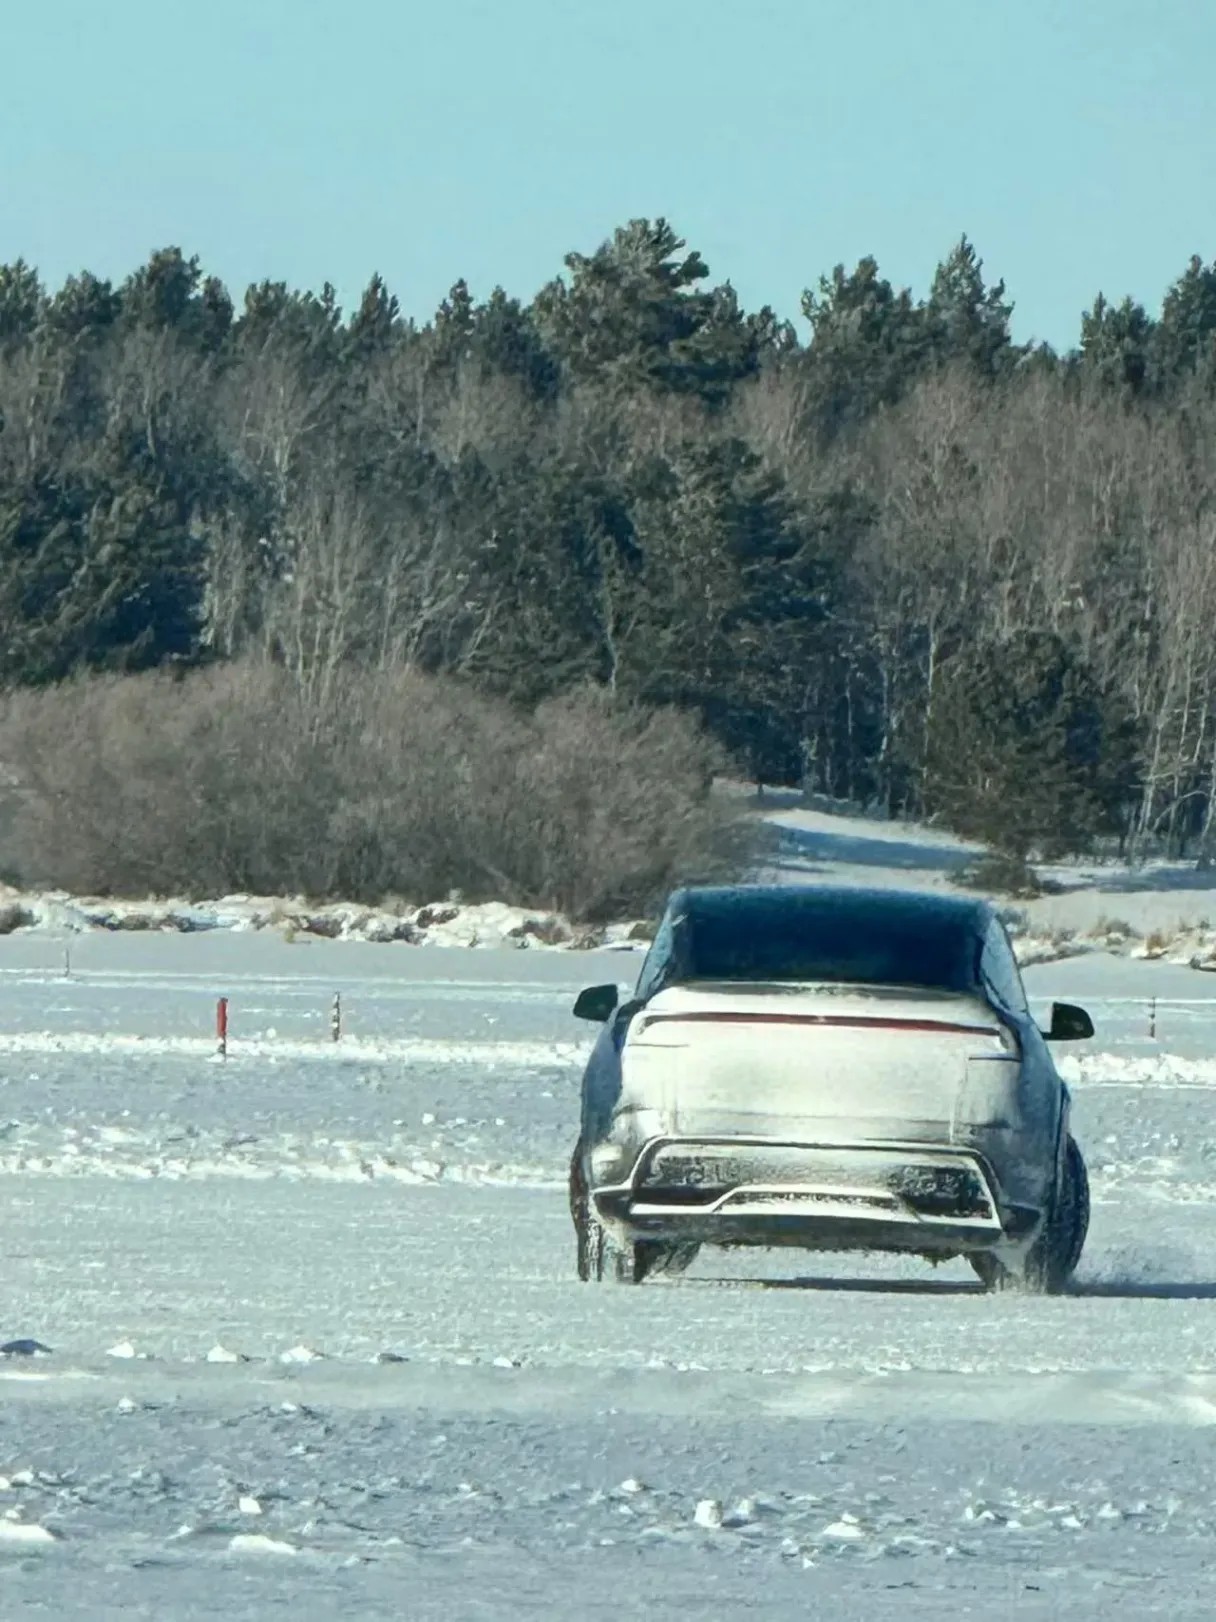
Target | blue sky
(1072,141)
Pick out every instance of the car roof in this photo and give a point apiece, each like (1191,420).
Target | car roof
(745,902)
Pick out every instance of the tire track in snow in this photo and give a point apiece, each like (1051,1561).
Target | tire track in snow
(350,1050)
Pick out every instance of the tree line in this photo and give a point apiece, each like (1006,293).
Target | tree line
(896,557)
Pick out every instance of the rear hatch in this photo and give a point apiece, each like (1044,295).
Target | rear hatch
(809,1063)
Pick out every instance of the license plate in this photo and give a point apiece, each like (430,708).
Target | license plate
(687,1171)
(724,1171)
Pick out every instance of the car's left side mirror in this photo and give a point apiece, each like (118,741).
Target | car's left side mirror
(1069,1024)
(597,1003)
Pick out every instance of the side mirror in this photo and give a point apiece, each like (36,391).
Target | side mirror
(1069,1024)
(597,1003)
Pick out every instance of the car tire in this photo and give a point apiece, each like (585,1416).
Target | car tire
(652,1259)
(602,1261)
(1078,1181)
(1054,1256)
(992,1274)
(599,1258)
(590,1238)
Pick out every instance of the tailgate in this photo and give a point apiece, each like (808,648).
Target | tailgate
(819,1064)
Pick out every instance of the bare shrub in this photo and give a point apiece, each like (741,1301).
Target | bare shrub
(609,806)
(1112,929)
(997,874)
(14,917)
(236,780)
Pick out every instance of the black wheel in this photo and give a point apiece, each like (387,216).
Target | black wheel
(1078,1181)
(1055,1253)
(1053,1258)
(589,1241)
(992,1274)
(588,1235)
(601,1260)
(652,1259)
(599,1257)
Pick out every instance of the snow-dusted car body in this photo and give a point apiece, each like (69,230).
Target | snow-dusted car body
(832,1069)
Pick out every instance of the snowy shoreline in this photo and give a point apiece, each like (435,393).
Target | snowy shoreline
(1158,913)
(494,924)
(448,923)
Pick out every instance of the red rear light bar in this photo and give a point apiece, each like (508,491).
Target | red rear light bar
(858,1022)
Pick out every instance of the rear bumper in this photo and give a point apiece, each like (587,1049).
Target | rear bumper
(929,1199)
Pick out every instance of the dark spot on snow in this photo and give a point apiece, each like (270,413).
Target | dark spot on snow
(431,917)
(24,1348)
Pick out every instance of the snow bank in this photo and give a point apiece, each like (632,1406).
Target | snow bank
(1166,1070)
(351,1049)
(1184,946)
(448,923)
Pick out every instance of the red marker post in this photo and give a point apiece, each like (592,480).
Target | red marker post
(221,1027)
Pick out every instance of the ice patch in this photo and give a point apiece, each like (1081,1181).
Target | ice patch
(26,1533)
(221,1354)
(259,1543)
(845,1530)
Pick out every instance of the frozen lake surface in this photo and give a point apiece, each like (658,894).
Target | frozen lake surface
(316,1347)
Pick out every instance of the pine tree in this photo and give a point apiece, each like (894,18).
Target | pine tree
(1117,343)
(1025,750)
(634,315)
(966,319)
(868,345)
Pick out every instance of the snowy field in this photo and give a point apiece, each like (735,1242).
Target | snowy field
(814,844)
(316,1347)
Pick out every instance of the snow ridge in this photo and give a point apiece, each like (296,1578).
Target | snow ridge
(449,923)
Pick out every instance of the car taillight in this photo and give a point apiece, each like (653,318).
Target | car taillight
(1009,1040)
(610,1163)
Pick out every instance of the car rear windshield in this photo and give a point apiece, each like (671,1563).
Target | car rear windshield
(857,943)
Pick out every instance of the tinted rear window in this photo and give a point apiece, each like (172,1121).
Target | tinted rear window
(867,944)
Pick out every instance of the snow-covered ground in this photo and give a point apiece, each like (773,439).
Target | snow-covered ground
(444,923)
(314,1344)
(1159,909)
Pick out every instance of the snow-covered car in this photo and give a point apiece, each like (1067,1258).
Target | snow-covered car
(831,1069)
